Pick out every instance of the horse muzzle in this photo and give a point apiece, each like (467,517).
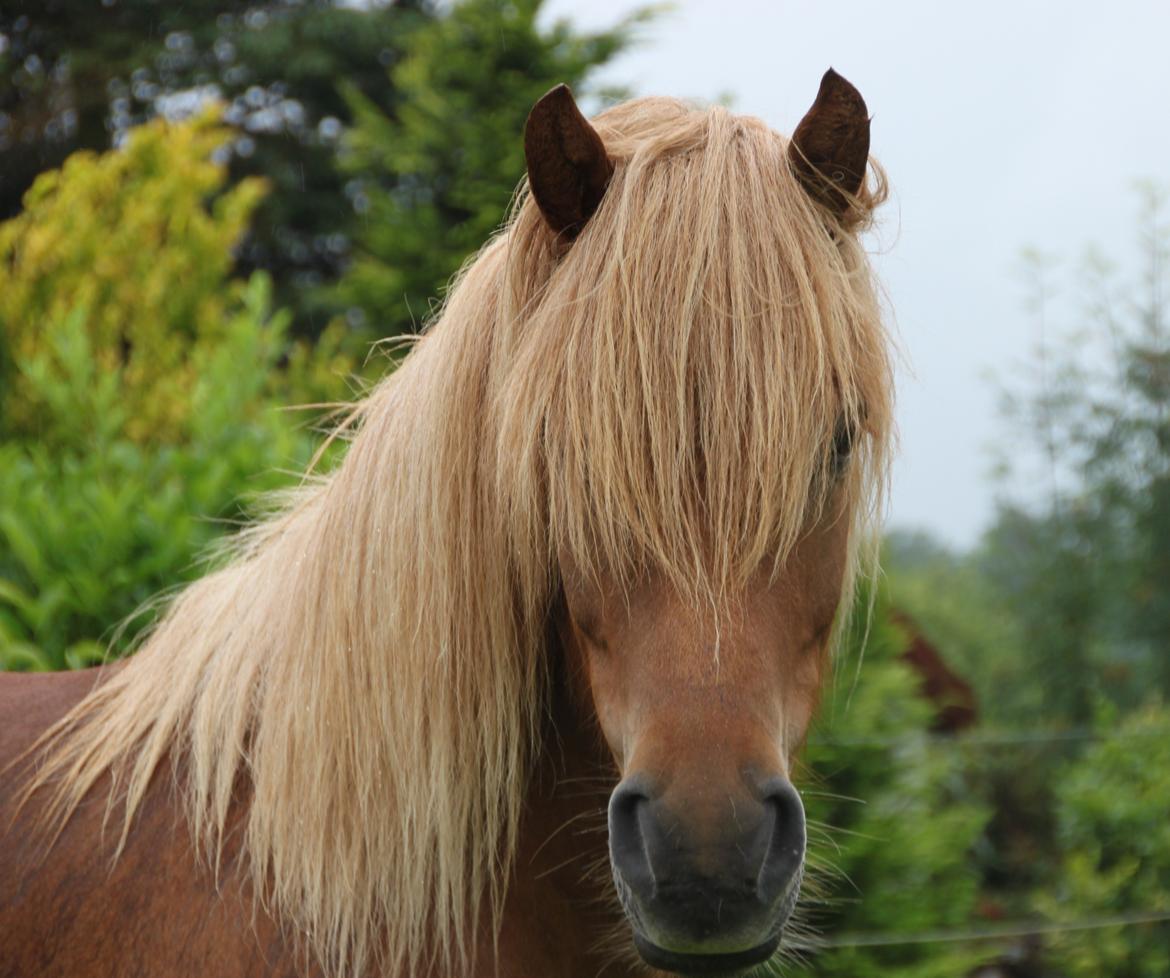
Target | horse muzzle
(707,887)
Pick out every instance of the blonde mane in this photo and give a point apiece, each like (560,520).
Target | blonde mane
(371,664)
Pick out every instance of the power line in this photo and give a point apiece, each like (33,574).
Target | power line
(994,738)
(998,932)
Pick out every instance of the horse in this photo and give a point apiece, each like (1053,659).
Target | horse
(517,689)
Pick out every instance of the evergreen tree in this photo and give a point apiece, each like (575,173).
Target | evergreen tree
(77,74)
(436,179)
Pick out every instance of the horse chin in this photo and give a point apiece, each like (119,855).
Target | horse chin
(726,959)
(686,963)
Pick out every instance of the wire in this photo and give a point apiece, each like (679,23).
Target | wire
(989,739)
(1000,932)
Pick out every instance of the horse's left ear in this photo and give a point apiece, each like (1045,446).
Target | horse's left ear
(830,148)
(568,168)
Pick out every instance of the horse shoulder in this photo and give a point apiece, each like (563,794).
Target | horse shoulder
(71,908)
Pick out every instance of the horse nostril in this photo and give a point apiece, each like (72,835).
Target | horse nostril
(627,846)
(785,854)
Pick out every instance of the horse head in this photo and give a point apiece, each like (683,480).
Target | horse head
(703,699)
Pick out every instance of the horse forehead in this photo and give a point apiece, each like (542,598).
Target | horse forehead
(751,646)
(707,624)
(707,671)
(705,652)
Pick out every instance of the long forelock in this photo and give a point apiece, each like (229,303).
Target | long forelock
(677,376)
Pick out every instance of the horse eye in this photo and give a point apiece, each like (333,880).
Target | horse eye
(842,446)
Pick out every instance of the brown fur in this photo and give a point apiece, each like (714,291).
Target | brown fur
(157,910)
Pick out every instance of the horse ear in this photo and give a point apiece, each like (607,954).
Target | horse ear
(568,168)
(830,147)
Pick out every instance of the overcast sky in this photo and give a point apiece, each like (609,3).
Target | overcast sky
(1001,124)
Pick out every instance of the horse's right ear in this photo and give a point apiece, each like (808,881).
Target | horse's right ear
(830,148)
(568,168)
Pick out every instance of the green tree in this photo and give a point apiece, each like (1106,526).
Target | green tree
(56,60)
(281,68)
(969,616)
(1047,574)
(76,74)
(71,72)
(435,180)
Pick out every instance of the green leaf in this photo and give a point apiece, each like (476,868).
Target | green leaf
(82,655)
(23,657)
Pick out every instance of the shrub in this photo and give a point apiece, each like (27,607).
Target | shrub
(1115,842)
(140,389)
(433,178)
(92,528)
(140,239)
(891,826)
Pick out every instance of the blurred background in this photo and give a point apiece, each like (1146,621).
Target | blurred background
(210,210)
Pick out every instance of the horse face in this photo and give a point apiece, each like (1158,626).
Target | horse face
(706,832)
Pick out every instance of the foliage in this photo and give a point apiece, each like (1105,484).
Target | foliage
(91,530)
(961,610)
(72,72)
(1067,597)
(57,60)
(77,75)
(891,823)
(1061,615)
(1115,839)
(281,67)
(1087,567)
(436,179)
(971,617)
(139,383)
(438,95)
(92,245)
(137,244)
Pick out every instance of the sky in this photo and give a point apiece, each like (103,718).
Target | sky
(1002,126)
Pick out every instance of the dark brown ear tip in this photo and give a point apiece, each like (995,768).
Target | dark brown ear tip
(546,103)
(838,88)
(558,93)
